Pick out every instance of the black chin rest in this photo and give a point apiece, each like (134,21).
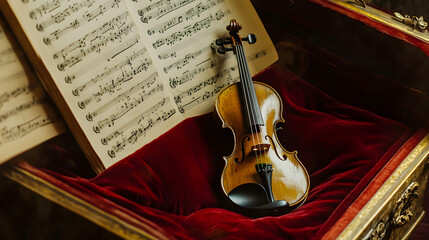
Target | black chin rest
(254,196)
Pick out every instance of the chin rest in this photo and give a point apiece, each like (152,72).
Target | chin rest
(254,196)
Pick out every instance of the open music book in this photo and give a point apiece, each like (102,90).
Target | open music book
(27,117)
(122,72)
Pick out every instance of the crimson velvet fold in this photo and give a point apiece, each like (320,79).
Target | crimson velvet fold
(173,184)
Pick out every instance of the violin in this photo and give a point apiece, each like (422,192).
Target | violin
(259,176)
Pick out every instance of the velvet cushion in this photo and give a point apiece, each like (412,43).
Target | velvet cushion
(174,181)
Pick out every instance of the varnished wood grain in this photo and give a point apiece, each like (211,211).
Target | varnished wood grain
(290,180)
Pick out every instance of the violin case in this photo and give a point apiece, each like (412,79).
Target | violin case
(360,127)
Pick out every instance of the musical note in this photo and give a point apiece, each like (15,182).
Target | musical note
(185,60)
(147,123)
(126,107)
(62,15)
(145,84)
(95,46)
(24,89)
(109,71)
(16,132)
(18,109)
(114,30)
(78,22)
(113,54)
(188,15)
(26,116)
(189,75)
(188,31)
(171,52)
(192,96)
(45,8)
(161,8)
(113,85)
(136,121)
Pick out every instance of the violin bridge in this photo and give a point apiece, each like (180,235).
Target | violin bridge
(260,148)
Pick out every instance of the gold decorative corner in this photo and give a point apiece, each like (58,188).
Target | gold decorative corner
(414,22)
(400,215)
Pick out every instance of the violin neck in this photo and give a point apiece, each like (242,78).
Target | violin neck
(251,106)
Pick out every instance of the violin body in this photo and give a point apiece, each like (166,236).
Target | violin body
(259,175)
(290,180)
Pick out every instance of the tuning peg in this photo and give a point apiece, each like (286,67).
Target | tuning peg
(221,42)
(251,38)
(223,50)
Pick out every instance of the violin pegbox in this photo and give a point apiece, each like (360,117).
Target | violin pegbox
(234,39)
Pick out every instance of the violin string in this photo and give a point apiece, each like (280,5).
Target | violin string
(244,88)
(253,107)
(252,111)
(246,95)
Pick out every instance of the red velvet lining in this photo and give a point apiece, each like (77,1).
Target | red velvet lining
(424,46)
(174,181)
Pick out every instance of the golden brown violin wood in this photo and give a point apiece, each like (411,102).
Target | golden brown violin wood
(252,111)
(290,180)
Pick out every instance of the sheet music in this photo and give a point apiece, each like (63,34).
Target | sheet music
(100,64)
(129,70)
(180,36)
(26,116)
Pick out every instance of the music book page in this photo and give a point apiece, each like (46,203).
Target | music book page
(125,71)
(27,117)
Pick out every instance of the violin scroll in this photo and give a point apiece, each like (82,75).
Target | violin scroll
(235,39)
(233,27)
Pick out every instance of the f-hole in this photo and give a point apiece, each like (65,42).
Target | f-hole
(275,149)
(243,153)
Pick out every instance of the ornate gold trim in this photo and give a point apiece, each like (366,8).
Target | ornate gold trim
(382,17)
(401,212)
(400,215)
(412,21)
(387,191)
(74,204)
(416,223)
(361,2)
